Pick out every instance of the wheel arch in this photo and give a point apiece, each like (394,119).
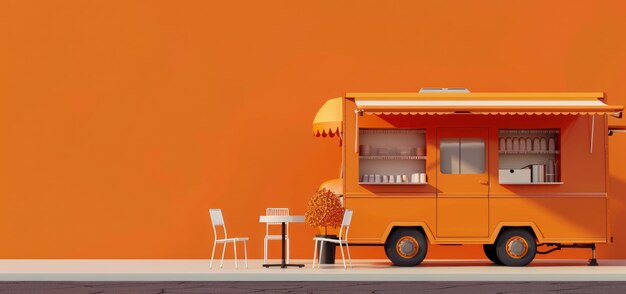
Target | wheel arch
(421,226)
(530,226)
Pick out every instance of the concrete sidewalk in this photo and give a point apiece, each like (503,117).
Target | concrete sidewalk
(363,270)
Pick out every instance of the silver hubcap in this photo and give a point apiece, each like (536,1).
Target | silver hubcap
(516,247)
(407,247)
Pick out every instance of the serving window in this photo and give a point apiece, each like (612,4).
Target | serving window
(529,156)
(462,155)
(392,157)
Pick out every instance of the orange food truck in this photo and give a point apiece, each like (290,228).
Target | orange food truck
(511,171)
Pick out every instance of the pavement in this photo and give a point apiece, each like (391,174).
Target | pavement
(363,270)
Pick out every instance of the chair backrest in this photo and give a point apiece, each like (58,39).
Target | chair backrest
(216,216)
(345,224)
(276,212)
(347,218)
(217,220)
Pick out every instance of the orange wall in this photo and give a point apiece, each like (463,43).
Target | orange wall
(122,122)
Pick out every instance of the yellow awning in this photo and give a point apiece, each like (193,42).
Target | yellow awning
(334,185)
(484,103)
(329,119)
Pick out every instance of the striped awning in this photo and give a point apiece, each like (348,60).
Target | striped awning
(484,103)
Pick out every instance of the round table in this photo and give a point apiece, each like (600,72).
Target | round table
(283,219)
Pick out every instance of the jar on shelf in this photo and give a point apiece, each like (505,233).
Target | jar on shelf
(536,144)
(509,144)
(551,145)
(522,144)
(543,144)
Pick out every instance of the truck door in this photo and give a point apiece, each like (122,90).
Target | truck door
(462,182)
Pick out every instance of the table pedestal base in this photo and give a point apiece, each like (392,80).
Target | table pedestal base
(283,265)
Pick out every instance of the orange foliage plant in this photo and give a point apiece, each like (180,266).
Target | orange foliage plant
(324,210)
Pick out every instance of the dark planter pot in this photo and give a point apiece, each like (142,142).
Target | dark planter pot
(328,254)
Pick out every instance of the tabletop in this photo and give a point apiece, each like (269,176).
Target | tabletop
(281,218)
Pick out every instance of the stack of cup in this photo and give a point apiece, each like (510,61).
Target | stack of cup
(418,178)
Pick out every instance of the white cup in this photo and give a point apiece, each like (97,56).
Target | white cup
(415,178)
(423,178)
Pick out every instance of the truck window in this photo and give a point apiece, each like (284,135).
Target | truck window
(462,155)
(529,156)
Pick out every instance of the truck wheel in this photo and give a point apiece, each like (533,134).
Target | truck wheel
(516,247)
(490,252)
(406,247)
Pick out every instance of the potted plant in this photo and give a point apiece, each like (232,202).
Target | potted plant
(325,211)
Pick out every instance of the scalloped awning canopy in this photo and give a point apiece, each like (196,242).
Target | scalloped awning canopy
(329,119)
(484,103)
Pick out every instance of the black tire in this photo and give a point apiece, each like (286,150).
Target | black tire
(490,252)
(516,247)
(406,247)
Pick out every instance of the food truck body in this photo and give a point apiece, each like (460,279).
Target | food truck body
(511,171)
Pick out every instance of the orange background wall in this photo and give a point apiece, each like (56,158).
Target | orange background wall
(122,122)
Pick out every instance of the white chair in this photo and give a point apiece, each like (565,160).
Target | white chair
(276,211)
(218,220)
(343,240)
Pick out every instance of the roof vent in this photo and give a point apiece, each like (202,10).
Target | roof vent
(444,90)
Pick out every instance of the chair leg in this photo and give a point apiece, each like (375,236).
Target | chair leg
(245,252)
(287,250)
(264,250)
(349,258)
(223,250)
(342,256)
(314,253)
(212,254)
(319,261)
(235,248)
